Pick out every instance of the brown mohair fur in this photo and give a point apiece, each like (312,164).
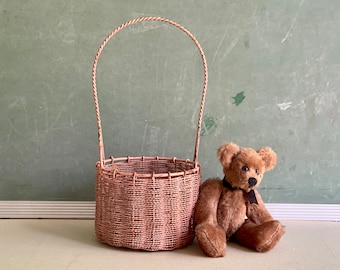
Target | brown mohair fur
(221,209)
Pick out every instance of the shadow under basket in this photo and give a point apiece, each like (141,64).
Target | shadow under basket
(146,202)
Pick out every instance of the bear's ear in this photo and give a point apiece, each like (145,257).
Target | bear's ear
(268,156)
(226,152)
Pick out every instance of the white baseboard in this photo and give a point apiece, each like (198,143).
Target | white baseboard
(86,210)
(47,209)
(316,212)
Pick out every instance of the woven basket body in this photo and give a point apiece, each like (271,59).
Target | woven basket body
(146,202)
(149,209)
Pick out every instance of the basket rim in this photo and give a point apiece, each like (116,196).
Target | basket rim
(108,166)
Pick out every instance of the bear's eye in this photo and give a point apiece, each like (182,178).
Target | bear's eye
(257,171)
(245,168)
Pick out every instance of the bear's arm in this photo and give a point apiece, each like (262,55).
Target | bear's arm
(207,203)
(258,212)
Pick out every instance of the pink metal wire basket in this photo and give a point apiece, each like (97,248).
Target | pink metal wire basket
(146,202)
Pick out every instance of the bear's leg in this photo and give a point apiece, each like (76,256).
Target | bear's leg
(260,237)
(211,239)
(210,235)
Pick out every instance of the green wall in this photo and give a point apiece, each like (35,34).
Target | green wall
(274,78)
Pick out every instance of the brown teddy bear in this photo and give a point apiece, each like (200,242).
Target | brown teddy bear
(223,204)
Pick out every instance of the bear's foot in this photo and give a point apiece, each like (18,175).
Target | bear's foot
(212,239)
(262,237)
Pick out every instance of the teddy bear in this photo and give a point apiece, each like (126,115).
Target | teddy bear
(232,209)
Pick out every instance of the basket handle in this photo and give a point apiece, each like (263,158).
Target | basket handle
(94,86)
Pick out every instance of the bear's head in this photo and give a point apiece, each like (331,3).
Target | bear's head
(244,167)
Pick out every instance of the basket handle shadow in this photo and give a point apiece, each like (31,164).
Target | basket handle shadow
(94,86)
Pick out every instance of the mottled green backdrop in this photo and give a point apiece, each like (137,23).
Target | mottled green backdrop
(274,78)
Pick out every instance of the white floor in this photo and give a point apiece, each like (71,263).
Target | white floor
(71,244)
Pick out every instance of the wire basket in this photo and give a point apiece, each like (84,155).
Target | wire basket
(146,202)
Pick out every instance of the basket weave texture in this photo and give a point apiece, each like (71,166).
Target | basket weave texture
(146,202)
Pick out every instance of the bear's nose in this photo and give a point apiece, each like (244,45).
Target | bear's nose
(252,181)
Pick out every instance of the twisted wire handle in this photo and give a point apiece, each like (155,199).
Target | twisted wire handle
(94,86)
